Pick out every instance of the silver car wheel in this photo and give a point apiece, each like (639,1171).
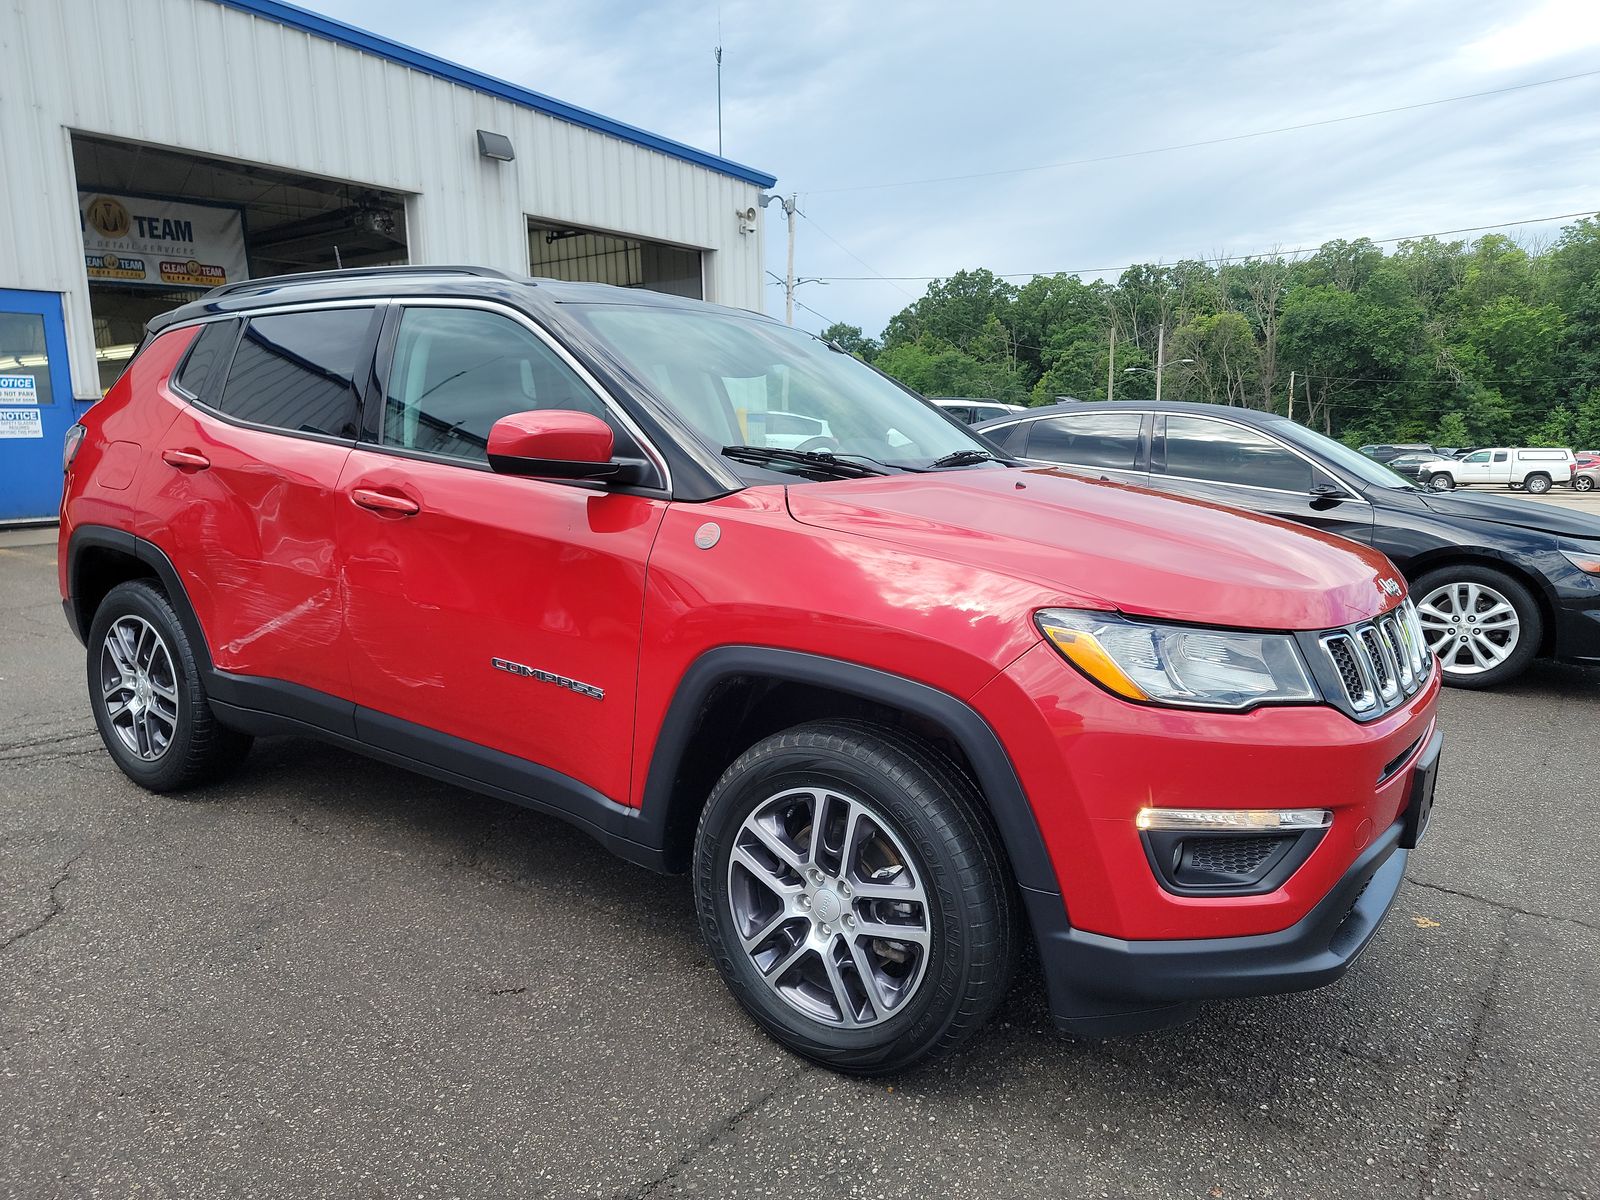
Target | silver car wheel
(826,903)
(139,687)
(1441,483)
(1583,483)
(1471,628)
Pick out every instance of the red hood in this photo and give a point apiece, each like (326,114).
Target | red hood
(1109,545)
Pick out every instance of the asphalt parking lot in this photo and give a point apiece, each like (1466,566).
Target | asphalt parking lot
(330,978)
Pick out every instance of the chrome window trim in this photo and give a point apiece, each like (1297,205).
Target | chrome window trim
(1279,442)
(1152,473)
(657,459)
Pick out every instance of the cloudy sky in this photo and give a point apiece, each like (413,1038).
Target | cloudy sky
(838,99)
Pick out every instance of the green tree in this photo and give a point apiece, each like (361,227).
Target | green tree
(851,339)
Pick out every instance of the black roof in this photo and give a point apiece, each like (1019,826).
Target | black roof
(381,283)
(1245,416)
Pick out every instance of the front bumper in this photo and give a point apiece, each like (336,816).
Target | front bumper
(1102,985)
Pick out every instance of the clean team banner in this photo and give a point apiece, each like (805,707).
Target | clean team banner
(161,243)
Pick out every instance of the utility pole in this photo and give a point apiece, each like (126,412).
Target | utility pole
(1111,363)
(789,281)
(788,285)
(1161,354)
(719,92)
(1291,395)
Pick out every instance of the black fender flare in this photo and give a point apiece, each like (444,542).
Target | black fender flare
(147,554)
(996,778)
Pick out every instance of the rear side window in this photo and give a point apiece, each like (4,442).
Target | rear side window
(209,349)
(1542,455)
(1104,439)
(457,371)
(296,371)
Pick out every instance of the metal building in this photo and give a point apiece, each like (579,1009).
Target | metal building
(155,148)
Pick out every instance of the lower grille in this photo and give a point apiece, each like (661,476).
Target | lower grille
(1232,856)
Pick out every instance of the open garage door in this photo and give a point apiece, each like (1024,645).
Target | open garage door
(589,256)
(162,226)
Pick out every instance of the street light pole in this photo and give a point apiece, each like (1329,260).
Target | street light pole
(1161,354)
(1111,363)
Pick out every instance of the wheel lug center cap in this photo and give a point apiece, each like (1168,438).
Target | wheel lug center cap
(827,906)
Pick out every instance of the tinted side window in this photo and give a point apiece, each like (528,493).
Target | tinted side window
(1102,439)
(456,371)
(1200,448)
(212,343)
(1482,456)
(1010,438)
(296,371)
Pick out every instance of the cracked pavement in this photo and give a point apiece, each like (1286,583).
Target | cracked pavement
(330,978)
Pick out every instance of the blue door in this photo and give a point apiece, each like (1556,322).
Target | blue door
(36,407)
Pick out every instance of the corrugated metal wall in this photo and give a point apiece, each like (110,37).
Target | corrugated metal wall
(195,76)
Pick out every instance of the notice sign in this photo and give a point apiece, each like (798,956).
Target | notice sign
(20,423)
(161,243)
(19,389)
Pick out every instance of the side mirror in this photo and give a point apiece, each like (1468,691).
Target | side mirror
(559,444)
(1326,495)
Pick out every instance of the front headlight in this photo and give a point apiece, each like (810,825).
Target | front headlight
(1179,665)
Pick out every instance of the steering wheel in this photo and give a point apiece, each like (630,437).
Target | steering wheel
(820,442)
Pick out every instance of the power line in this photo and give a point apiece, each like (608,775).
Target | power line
(1217,141)
(1409,237)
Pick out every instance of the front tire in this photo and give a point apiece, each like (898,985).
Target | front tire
(1483,626)
(853,896)
(148,699)
(1441,481)
(1583,484)
(1537,485)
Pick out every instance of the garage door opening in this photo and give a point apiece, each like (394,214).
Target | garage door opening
(161,227)
(588,256)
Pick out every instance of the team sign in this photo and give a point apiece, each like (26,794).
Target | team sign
(161,243)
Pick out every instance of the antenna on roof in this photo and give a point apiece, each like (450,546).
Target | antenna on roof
(719,78)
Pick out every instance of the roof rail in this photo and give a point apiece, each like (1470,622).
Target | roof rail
(267,281)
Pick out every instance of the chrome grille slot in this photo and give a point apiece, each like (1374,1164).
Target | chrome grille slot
(1354,672)
(1382,662)
(1390,629)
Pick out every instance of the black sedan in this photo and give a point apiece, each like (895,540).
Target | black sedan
(1498,581)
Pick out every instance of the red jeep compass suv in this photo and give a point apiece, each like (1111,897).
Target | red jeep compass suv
(736,604)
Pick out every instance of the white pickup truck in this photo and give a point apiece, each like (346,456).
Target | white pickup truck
(1514,467)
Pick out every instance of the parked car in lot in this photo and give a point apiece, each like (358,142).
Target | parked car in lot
(1411,465)
(1498,581)
(1387,452)
(1584,479)
(969,410)
(1537,470)
(894,703)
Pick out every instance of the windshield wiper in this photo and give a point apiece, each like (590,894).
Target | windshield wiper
(963,458)
(817,459)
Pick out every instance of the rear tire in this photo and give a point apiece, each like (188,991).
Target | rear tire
(1482,625)
(148,699)
(790,920)
(1537,485)
(1441,481)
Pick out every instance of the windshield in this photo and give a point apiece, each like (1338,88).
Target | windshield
(1353,461)
(743,381)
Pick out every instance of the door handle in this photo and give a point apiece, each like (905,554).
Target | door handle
(185,460)
(385,502)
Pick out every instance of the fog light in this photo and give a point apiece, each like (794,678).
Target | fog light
(1234,820)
